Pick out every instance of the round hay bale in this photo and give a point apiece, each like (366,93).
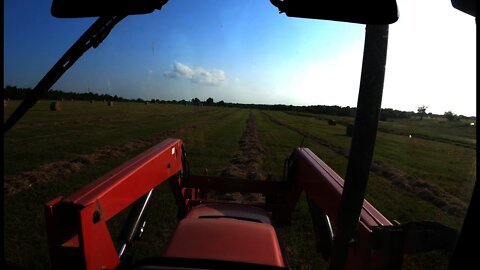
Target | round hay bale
(55,106)
(350,130)
(332,122)
(110,104)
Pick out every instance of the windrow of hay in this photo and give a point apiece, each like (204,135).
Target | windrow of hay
(247,163)
(61,169)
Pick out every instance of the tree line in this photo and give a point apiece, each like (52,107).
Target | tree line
(13,92)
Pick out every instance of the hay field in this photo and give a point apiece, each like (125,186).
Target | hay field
(53,153)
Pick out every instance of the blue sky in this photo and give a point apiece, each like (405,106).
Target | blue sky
(244,51)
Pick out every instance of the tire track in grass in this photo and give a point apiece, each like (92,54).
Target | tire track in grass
(60,169)
(420,187)
(247,163)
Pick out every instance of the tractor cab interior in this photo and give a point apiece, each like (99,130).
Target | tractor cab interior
(214,234)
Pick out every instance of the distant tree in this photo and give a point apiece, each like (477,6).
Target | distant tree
(450,116)
(196,101)
(209,101)
(422,110)
(221,103)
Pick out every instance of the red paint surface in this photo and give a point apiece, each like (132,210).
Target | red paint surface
(226,238)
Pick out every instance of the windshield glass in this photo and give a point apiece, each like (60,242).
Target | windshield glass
(241,86)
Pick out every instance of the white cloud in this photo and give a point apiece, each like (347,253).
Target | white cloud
(198,75)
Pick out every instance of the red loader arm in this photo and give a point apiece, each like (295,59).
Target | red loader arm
(76,226)
(78,236)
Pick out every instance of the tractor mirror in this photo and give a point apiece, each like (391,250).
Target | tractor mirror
(98,8)
(355,11)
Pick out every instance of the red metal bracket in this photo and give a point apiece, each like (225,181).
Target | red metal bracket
(324,187)
(76,226)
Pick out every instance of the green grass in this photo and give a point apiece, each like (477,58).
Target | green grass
(449,166)
(433,128)
(422,158)
(213,146)
(80,128)
(299,237)
(380,192)
(211,137)
(455,131)
(213,141)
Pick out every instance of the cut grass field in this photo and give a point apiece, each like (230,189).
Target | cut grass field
(447,165)
(105,137)
(460,132)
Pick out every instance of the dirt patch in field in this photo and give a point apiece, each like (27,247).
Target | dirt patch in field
(420,187)
(247,163)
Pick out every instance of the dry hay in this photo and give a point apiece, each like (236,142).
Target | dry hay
(55,106)
(422,188)
(61,169)
(247,163)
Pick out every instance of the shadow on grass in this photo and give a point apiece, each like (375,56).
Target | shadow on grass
(10,266)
